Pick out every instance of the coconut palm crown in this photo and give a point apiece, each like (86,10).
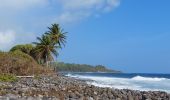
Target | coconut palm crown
(45,48)
(57,34)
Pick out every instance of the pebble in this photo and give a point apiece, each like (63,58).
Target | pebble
(65,88)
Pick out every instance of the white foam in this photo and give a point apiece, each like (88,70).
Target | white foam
(135,83)
(140,78)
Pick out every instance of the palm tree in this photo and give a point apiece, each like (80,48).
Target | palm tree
(44,49)
(57,35)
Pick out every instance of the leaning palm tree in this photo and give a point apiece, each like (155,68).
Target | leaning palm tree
(57,35)
(44,49)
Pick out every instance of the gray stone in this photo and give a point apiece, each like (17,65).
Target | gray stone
(118,99)
(90,98)
(12,96)
(30,98)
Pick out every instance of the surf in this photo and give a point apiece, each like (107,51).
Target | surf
(135,83)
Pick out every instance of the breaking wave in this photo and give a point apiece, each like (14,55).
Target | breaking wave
(134,83)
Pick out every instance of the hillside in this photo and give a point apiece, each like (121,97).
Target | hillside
(67,67)
(19,63)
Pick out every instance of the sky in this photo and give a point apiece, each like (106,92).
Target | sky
(128,35)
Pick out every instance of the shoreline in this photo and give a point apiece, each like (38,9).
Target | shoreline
(58,87)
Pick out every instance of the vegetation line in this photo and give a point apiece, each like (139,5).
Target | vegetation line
(28,59)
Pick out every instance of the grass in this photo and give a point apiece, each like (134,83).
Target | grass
(20,64)
(7,78)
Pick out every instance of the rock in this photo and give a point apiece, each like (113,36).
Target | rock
(40,96)
(52,88)
(43,98)
(29,98)
(90,98)
(130,97)
(124,97)
(123,92)
(95,92)
(145,96)
(72,95)
(136,98)
(110,96)
(148,99)
(118,99)
(159,98)
(11,96)
(63,89)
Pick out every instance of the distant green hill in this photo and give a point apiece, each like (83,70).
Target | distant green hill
(67,67)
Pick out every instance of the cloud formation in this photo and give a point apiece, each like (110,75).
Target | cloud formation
(20,4)
(6,39)
(75,10)
(26,16)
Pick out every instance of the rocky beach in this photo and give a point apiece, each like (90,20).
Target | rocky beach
(57,87)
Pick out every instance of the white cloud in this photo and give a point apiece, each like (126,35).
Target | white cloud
(75,10)
(68,17)
(20,4)
(111,4)
(10,38)
(6,39)
(80,4)
(65,11)
(33,16)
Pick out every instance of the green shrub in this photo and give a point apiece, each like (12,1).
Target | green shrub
(26,48)
(7,78)
(19,63)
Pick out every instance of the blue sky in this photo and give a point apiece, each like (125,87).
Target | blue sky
(127,35)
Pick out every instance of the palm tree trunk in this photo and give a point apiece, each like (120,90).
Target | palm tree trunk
(46,61)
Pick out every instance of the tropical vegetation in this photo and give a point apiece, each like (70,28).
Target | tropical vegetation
(7,78)
(19,63)
(68,67)
(25,48)
(46,47)
(57,35)
(26,59)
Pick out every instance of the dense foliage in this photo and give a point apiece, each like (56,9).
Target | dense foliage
(46,46)
(22,59)
(44,49)
(26,48)
(80,67)
(49,43)
(19,63)
(57,34)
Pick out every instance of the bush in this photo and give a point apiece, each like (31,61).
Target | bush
(7,78)
(19,63)
(26,48)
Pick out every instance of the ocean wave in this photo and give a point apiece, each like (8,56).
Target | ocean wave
(140,78)
(134,83)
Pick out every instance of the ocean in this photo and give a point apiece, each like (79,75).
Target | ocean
(133,81)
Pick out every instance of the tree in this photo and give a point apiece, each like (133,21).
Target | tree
(57,35)
(49,43)
(25,48)
(45,48)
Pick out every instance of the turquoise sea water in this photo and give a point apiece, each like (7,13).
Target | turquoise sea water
(135,81)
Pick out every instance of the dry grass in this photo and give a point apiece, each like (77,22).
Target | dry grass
(19,63)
